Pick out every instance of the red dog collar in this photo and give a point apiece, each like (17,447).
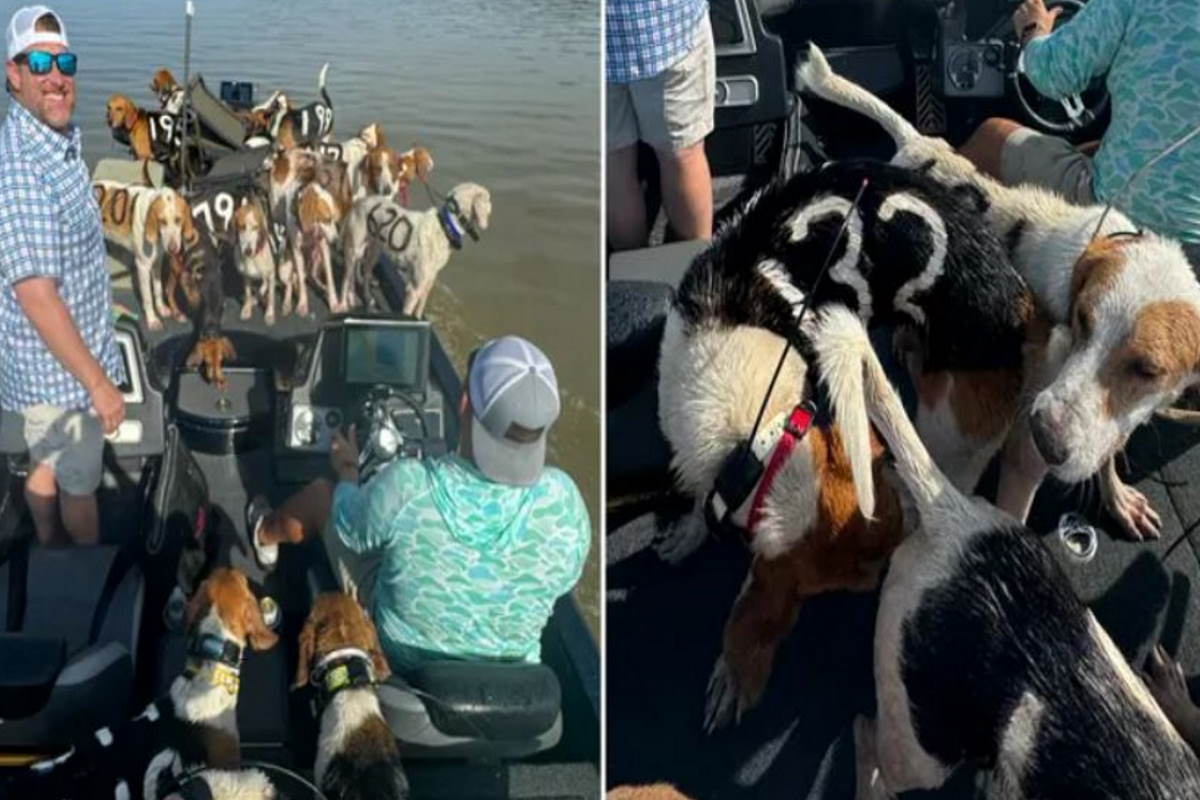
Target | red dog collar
(797,425)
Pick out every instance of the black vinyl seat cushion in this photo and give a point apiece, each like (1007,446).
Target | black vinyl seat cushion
(64,594)
(462,709)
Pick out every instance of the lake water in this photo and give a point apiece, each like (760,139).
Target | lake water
(506,94)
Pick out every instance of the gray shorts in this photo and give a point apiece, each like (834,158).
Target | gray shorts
(674,109)
(71,442)
(1047,161)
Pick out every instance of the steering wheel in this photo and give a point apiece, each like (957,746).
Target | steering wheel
(1069,114)
(379,437)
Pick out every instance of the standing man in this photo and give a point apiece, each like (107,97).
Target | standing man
(661,74)
(58,355)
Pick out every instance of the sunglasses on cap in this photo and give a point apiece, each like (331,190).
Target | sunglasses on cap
(41,61)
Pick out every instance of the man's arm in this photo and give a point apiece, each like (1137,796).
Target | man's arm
(40,301)
(1063,62)
(31,262)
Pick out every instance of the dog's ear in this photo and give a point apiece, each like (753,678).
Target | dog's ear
(197,605)
(378,660)
(131,113)
(308,643)
(188,228)
(258,634)
(152,224)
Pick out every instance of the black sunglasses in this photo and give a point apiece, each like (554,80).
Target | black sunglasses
(41,61)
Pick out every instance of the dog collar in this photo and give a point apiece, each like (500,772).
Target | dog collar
(225,656)
(345,668)
(451,217)
(794,429)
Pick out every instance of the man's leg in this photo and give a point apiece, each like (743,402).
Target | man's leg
(675,113)
(687,190)
(1014,154)
(625,207)
(41,494)
(986,145)
(80,517)
(301,516)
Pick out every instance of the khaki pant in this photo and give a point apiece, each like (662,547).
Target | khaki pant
(674,109)
(70,441)
(1047,161)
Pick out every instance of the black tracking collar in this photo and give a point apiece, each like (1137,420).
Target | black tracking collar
(210,647)
(345,672)
(450,216)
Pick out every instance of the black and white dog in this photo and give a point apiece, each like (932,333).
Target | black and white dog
(914,254)
(983,653)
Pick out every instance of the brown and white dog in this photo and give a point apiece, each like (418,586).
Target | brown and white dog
(168,91)
(322,205)
(420,242)
(340,655)
(148,222)
(193,726)
(983,653)
(1131,302)
(255,259)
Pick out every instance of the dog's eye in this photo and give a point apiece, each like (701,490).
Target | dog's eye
(1144,369)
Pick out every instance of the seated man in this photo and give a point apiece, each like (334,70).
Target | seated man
(455,556)
(1149,48)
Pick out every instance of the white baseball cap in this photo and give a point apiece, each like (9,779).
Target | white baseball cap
(514,401)
(22,33)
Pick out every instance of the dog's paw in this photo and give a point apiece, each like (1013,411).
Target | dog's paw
(681,539)
(246,311)
(1164,677)
(1133,511)
(721,702)
(302,308)
(269,317)
(154,323)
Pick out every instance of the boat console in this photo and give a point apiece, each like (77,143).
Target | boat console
(371,370)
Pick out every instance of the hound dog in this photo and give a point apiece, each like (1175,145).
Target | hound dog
(913,254)
(153,135)
(168,91)
(206,295)
(193,726)
(308,125)
(322,205)
(255,258)
(352,151)
(387,173)
(148,222)
(983,653)
(1131,301)
(341,657)
(418,241)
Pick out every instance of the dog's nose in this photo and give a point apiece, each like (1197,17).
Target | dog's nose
(1049,445)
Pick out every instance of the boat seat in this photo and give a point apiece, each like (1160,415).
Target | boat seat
(638,454)
(464,709)
(77,639)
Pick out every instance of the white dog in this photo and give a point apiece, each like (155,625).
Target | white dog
(418,241)
(1131,300)
(255,260)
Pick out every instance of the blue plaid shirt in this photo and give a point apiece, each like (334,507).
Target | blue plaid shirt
(644,37)
(49,226)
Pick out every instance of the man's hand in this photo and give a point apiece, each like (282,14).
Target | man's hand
(343,455)
(108,404)
(1032,19)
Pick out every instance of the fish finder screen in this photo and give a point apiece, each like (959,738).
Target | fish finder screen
(393,355)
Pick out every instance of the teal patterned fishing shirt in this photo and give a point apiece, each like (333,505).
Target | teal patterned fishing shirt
(1151,51)
(469,568)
